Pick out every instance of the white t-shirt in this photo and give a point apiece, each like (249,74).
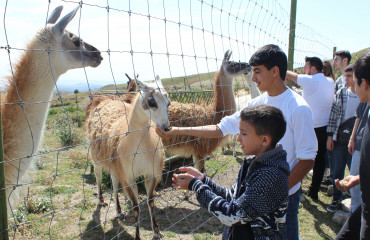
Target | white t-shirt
(318,91)
(352,104)
(299,140)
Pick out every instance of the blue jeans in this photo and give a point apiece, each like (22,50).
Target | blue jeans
(290,229)
(355,191)
(340,158)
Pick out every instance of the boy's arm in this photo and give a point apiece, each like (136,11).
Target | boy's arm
(218,190)
(306,144)
(333,116)
(299,171)
(228,125)
(208,131)
(258,200)
(291,76)
(351,144)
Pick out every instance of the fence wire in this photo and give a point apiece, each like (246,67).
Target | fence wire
(50,184)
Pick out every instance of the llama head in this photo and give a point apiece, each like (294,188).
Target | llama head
(233,69)
(154,102)
(67,51)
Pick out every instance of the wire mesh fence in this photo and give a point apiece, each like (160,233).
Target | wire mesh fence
(54,140)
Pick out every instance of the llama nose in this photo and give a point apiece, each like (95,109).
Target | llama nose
(165,126)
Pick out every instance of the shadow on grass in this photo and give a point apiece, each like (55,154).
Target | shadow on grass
(175,219)
(94,229)
(89,178)
(322,217)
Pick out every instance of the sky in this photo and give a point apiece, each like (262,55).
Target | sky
(239,25)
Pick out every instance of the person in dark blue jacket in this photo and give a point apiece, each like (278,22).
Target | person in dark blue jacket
(255,206)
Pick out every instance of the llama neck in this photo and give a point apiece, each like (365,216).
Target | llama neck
(32,84)
(224,95)
(252,87)
(138,119)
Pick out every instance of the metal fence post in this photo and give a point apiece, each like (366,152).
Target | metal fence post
(293,13)
(3,210)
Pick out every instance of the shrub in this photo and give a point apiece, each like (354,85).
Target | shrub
(67,132)
(53,111)
(78,118)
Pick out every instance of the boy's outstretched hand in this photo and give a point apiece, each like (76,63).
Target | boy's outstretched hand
(192,171)
(181,181)
(347,183)
(165,134)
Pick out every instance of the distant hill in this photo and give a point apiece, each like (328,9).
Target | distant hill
(200,81)
(356,55)
(196,81)
(81,87)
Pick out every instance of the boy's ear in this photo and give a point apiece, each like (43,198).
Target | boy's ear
(275,71)
(266,140)
(366,86)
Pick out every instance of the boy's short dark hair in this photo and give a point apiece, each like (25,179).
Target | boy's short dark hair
(344,54)
(349,68)
(362,68)
(315,62)
(269,56)
(265,119)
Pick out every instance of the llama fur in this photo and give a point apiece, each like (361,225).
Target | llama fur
(191,115)
(33,82)
(125,145)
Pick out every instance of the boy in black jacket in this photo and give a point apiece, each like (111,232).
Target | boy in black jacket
(255,206)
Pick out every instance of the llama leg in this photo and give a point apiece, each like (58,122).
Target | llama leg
(199,162)
(116,198)
(98,176)
(130,192)
(150,189)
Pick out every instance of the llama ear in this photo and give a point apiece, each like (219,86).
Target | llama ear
(141,85)
(227,55)
(59,27)
(55,15)
(158,82)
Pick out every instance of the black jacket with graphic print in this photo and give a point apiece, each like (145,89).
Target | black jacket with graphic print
(256,204)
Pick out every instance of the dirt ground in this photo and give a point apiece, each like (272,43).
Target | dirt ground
(177,218)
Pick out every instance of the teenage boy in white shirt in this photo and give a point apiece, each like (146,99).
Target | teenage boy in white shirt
(269,66)
(318,92)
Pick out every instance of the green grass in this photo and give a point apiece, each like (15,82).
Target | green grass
(62,182)
(356,55)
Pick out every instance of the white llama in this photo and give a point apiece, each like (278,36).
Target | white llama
(124,143)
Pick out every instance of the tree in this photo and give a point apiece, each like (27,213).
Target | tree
(76,91)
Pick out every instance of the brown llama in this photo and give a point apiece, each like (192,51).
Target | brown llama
(191,115)
(125,145)
(33,82)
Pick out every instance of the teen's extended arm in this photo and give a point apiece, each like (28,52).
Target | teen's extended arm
(208,131)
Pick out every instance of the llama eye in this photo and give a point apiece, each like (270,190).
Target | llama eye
(70,35)
(77,43)
(152,103)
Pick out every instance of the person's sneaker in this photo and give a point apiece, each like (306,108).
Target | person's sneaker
(334,206)
(330,190)
(313,196)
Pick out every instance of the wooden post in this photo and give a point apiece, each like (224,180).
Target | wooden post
(3,209)
(293,13)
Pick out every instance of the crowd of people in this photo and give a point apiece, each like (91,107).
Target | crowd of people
(284,135)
